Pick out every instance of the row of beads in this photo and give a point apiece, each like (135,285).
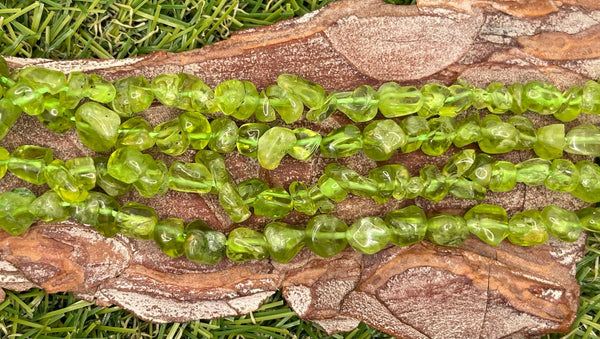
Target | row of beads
(324,234)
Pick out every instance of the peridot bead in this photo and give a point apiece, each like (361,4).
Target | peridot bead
(132,95)
(414,187)
(43,79)
(190,177)
(590,218)
(4,158)
(307,143)
(61,181)
(435,188)
(407,226)
(9,113)
(216,165)
(562,224)
(359,105)
(396,100)
(381,138)
(165,88)
(15,215)
(459,164)
(224,135)
(127,164)
(583,139)
(481,170)
(488,222)
(588,189)
(416,128)
(284,241)
(248,135)
(310,93)
(468,131)
(550,141)
(169,235)
(232,203)
(136,221)
(498,136)
(563,177)
(170,138)
(499,98)
(154,181)
(342,142)
(135,132)
(301,199)
(351,181)
(326,235)
(28,162)
(249,189)
(288,106)
(99,210)
(332,189)
(533,172)
(237,98)
(590,99)
(323,204)
(49,207)
(466,189)
(368,235)
(110,185)
(391,180)
(527,228)
(196,127)
(76,85)
(273,203)
(441,135)
(273,145)
(56,118)
(526,132)
(447,230)
(26,97)
(97,126)
(264,112)
(244,244)
(100,89)
(434,96)
(324,111)
(504,176)
(541,97)
(571,106)
(204,245)
(516,91)
(458,100)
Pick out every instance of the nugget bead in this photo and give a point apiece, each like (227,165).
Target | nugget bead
(503,177)
(170,138)
(588,188)
(190,177)
(391,181)
(100,211)
(342,142)
(497,136)
(407,225)
(136,221)
(550,141)
(4,158)
(307,143)
(583,139)
(326,235)
(447,230)
(526,132)
(362,106)
(288,106)
(104,180)
(170,236)
(590,218)
(458,99)
(368,235)
(310,93)
(468,131)
(434,97)
(43,80)
(301,199)
(273,145)
(49,207)
(533,172)
(381,138)
(9,113)
(155,180)
(128,164)
(414,126)
(590,99)
(459,164)
(541,97)
(244,244)
(527,228)
(132,96)
(97,126)
(136,132)
(351,181)
(61,181)
(396,100)
(233,203)
(273,203)
(284,241)
(562,224)
(563,177)
(15,215)
(488,222)
(571,106)
(248,136)
(204,245)
(224,135)
(29,162)
(442,131)
(435,183)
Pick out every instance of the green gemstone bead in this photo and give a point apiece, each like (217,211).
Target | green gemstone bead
(526,132)
(583,139)
(110,185)
(414,187)
(135,132)
(56,118)
(99,210)
(310,93)
(244,244)
(155,180)
(170,138)
(498,136)
(165,88)
(287,105)
(284,241)
(77,84)
(233,203)
(24,96)
(351,181)
(323,204)
(202,97)
(397,101)
(589,218)
(466,189)
(15,215)
(100,89)
(204,245)
(224,135)
(132,96)
(169,235)
(61,181)
(359,105)
(216,165)
(563,177)
(332,189)
(541,97)
(499,99)
(415,127)
(324,111)
(391,181)
(516,91)
(434,182)
(588,189)
(459,164)
(49,207)
(248,136)
(447,230)
(562,224)
(481,170)
(488,222)
(273,203)
(307,143)
(468,131)
(434,97)
(590,99)
(550,141)
(264,112)
(381,138)
(273,145)
(458,100)
(571,106)
(249,189)
(368,235)
(326,235)
(9,113)
(527,228)
(504,176)
(342,142)
(136,221)
(28,163)
(4,158)
(407,226)
(43,79)
(441,135)
(127,164)
(97,126)
(533,172)
(190,177)
(236,98)
(301,199)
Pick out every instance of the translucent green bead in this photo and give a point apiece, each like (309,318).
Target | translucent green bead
(201,96)
(28,162)
(332,189)
(273,203)
(481,170)
(15,215)
(56,118)
(244,244)
(233,204)
(526,132)
(216,165)
(4,158)
(447,230)
(498,136)
(249,189)
(571,106)
(288,106)
(190,177)
(77,83)
(248,135)
(9,113)
(407,226)
(99,210)
(127,164)
(459,164)
(397,101)
(170,138)
(589,218)
(273,145)
(97,126)
(351,181)
(324,111)
(169,235)
(381,138)
(415,127)
(49,207)
(562,224)
(204,245)
(165,88)
(310,93)
(307,143)
(359,105)
(100,89)
(488,222)
(583,139)
(224,135)
(135,132)
(391,181)
(155,180)
(466,189)
(24,96)
(504,176)
(326,235)
(563,177)
(458,100)
(136,221)
(441,135)
(435,183)
(588,189)
(301,199)
(284,241)
(527,228)
(533,172)
(468,131)
(132,96)
(43,79)
(590,99)
(323,204)
(499,99)
(236,98)
(516,91)
(541,97)
(61,181)
(264,112)
(434,97)
(414,187)
(342,142)
(550,141)
(368,235)
(110,185)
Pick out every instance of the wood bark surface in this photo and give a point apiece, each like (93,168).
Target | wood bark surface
(420,291)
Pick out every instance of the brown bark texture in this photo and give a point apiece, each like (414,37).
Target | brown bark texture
(420,291)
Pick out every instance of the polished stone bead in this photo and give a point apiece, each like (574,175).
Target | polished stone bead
(97,126)
(407,226)
(100,89)
(414,187)
(288,106)
(332,189)
(61,181)
(323,204)
(216,165)
(264,112)
(583,139)
(249,189)
(201,96)
(326,235)
(498,136)
(526,132)
(368,235)
(527,228)
(170,236)
(359,105)
(127,164)
(273,203)
(136,221)
(391,180)
(381,138)
(28,163)
(15,215)
(562,224)
(541,97)
(466,189)
(504,176)
(415,128)
(244,244)
(342,142)
(99,210)
(447,230)
(589,182)
(516,91)
(468,131)
(434,97)
(590,218)
(204,245)
(310,93)
(110,185)
(49,207)
(56,118)
(435,188)
(135,132)
(320,113)
(301,199)
(9,113)
(397,101)
(4,158)
(571,106)
(441,135)
(550,141)
(307,143)
(533,172)
(481,170)
(273,145)
(155,180)
(563,177)
(190,177)
(232,203)
(170,138)
(165,88)
(459,164)
(488,222)
(248,136)
(224,135)
(458,100)
(132,96)
(26,97)
(499,98)
(43,79)
(237,98)
(284,241)
(590,99)
(351,181)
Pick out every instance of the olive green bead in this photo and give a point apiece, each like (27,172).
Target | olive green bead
(359,105)
(204,245)
(216,165)
(264,112)
(323,204)
(135,132)
(381,138)
(326,235)
(170,138)
(588,189)
(332,189)
(458,100)
(307,143)
(488,222)
(590,218)
(49,207)
(155,180)
(562,224)
(284,241)
(415,127)
(571,106)
(447,230)
(527,228)
(100,89)
(28,163)
(190,177)
(533,172)
(499,98)
(468,131)
(15,215)
(249,189)
(110,185)
(434,97)
(435,188)
(43,79)
(503,177)
(288,106)
(407,226)
(583,139)
(61,181)
(9,113)
(132,96)
(24,96)
(170,236)
(77,83)
(516,91)
(97,126)
(320,113)
(590,99)
(351,181)
(248,136)
(466,189)
(127,164)
(273,203)
(56,118)
(136,221)
(201,96)
(165,88)
(368,235)
(414,187)
(233,204)
(396,100)
(481,170)
(4,158)
(550,141)
(563,177)
(244,244)
(342,142)
(391,181)
(273,145)
(459,164)
(526,132)
(237,98)
(224,135)
(310,93)
(441,135)
(541,97)
(498,136)
(301,199)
